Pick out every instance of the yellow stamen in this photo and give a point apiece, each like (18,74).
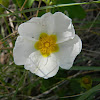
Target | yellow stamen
(47,44)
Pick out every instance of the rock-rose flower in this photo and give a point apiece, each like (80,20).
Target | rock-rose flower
(45,43)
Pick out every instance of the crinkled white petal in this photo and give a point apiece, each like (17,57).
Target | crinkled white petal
(68,51)
(57,23)
(62,22)
(31,28)
(35,26)
(45,67)
(47,23)
(23,48)
(63,27)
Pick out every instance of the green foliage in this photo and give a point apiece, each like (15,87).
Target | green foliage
(73,11)
(89,92)
(45,84)
(75,87)
(18,84)
(49,7)
(4,3)
(41,13)
(20,3)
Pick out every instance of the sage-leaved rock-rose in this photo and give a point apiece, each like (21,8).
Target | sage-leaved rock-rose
(45,43)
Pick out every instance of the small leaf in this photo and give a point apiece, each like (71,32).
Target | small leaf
(4,3)
(73,11)
(20,3)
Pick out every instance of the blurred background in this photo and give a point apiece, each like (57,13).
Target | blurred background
(81,82)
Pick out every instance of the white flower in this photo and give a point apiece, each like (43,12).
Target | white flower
(45,43)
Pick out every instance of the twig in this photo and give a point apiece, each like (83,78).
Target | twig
(11,22)
(23,5)
(8,36)
(38,7)
(88,10)
(6,48)
(93,22)
(91,51)
(22,9)
(72,96)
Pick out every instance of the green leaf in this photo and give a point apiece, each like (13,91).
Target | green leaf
(89,92)
(41,13)
(20,3)
(75,87)
(4,3)
(73,11)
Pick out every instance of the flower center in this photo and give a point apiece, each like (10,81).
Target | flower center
(46,44)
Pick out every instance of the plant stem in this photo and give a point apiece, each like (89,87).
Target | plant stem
(49,7)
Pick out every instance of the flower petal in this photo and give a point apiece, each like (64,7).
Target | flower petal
(35,26)
(68,51)
(63,27)
(47,23)
(57,23)
(31,28)
(23,48)
(45,67)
